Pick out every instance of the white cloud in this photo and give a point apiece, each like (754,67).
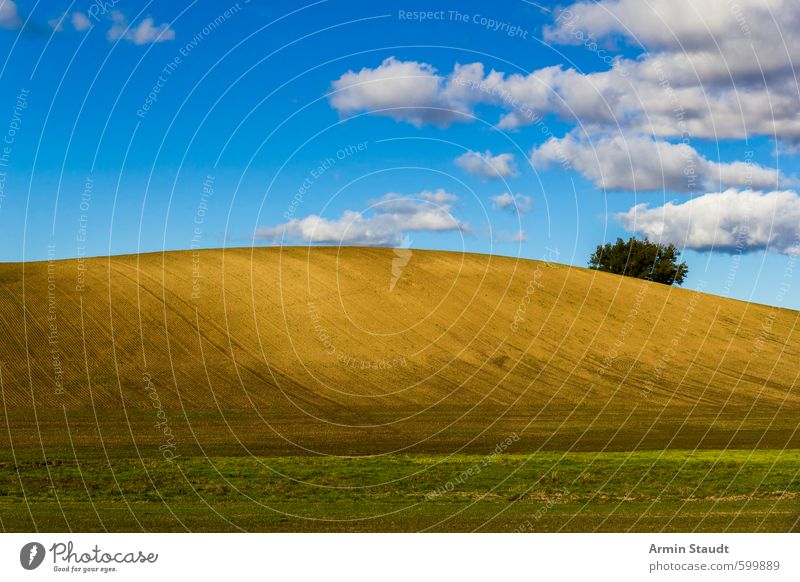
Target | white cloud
(637,163)
(513,202)
(714,69)
(144,33)
(710,41)
(487,165)
(80,21)
(519,236)
(118,27)
(404,90)
(9,15)
(743,174)
(415,92)
(641,96)
(711,69)
(505,237)
(728,221)
(387,223)
(57,24)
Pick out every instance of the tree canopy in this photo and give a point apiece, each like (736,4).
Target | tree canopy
(641,259)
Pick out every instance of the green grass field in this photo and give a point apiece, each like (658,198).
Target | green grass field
(294,390)
(642,491)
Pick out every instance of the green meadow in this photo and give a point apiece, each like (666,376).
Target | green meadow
(642,491)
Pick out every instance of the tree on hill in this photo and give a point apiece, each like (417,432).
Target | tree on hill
(642,259)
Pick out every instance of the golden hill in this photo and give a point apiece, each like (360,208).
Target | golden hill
(319,350)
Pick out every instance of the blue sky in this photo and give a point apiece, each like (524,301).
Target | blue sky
(504,128)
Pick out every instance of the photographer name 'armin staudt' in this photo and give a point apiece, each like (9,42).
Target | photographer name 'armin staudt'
(690,549)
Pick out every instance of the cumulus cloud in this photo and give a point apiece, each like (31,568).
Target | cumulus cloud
(9,15)
(144,33)
(80,21)
(639,164)
(730,221)
(634,95)
(487,165)
(698,74)
(404,90)
(515,203)
(417,93)
(712,40)
(385,224)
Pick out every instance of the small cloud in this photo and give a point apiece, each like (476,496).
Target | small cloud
(387,223)
(9,15)
(146,32)
(57,24)
(488,166)
(514,203)
(403,90)
(504,237)
(80,21)
(120,23)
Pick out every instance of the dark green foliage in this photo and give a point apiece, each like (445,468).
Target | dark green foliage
(641,259)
